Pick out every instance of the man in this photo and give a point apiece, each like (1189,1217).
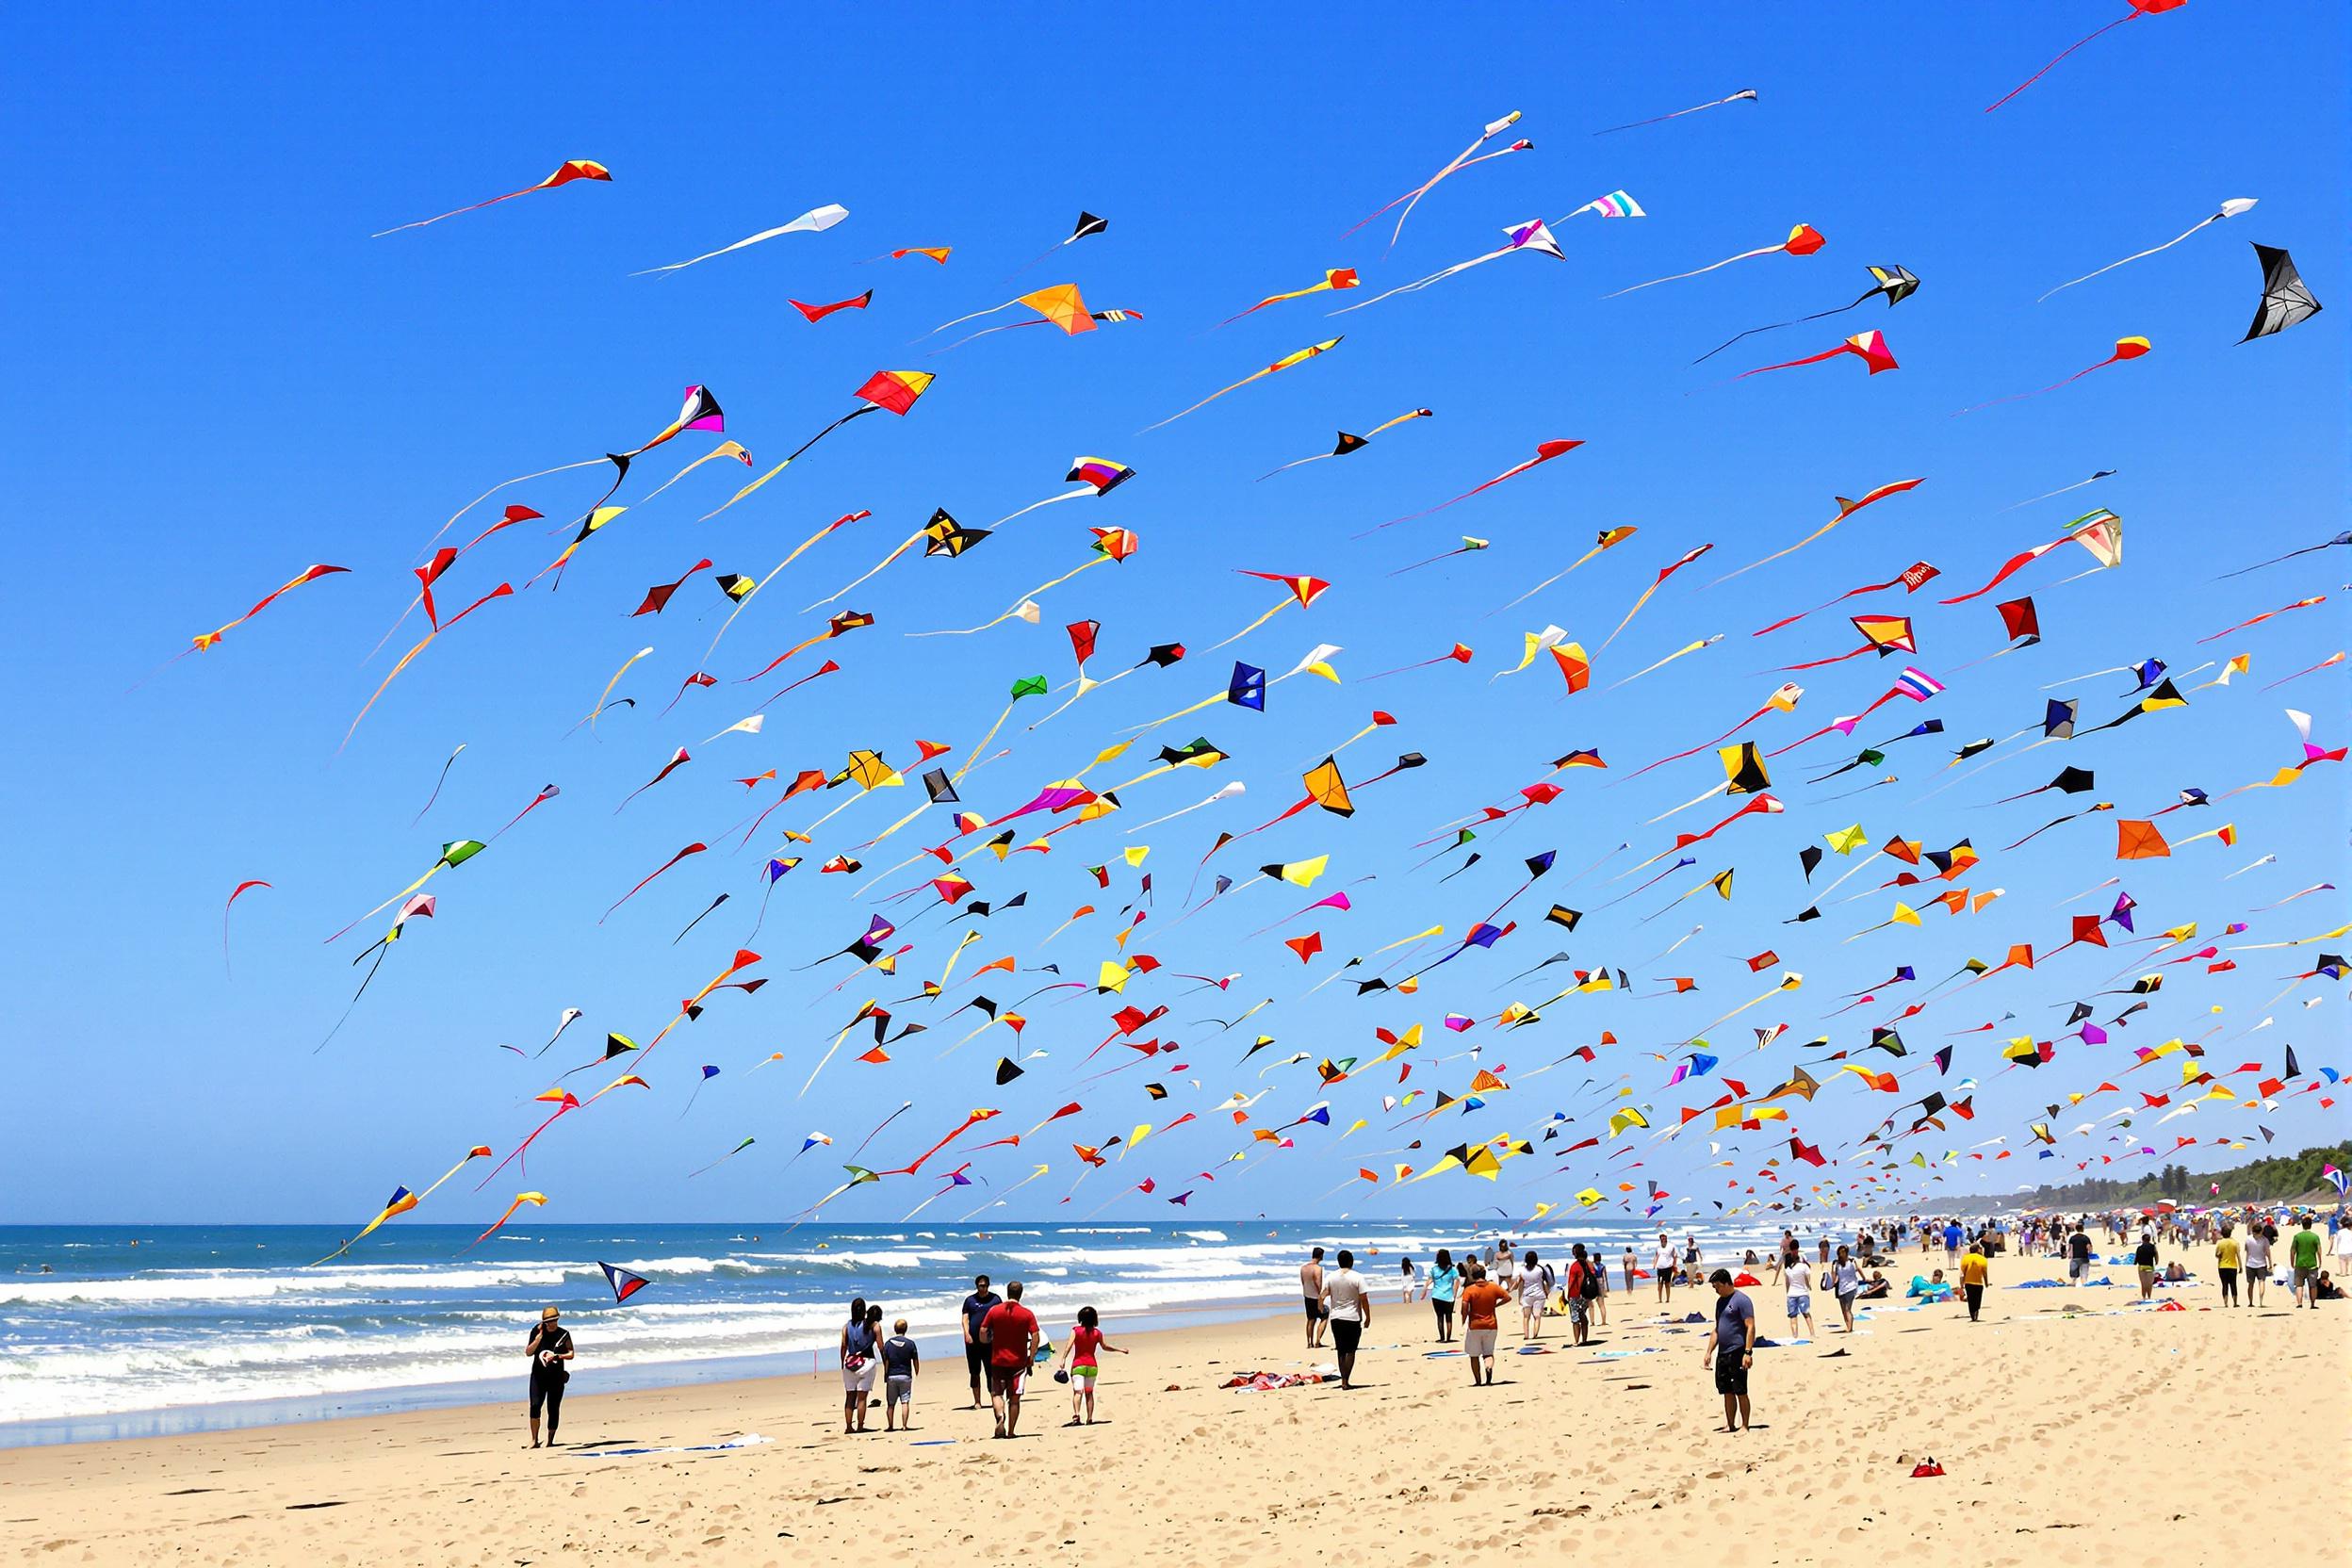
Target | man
(1311,1285)
(1012,1335)
(2303,1251)
(1347,1309)
(1662,1265)
(976,1308)
(550,1347)
(1976,1272)
(2079,1254)
(1582,1290)
(1480,1299)
(901,1362)
(1734,1329)
(1954,1236)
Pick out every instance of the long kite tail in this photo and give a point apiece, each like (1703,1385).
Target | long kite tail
(2135,257)
(2062,55)
(1677,277)
(1792,322)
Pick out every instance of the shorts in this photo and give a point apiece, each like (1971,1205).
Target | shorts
(976,1361)
(2078,1268)
(1346,1334)
(2306,1277)
(1314,1310)
(1531,1301)
(1005,1380)
(857,1380)
(899,1389)
(1477,1342)
(1579,1312)
(2147,1276)
(1088,1372)
(1730,1376)
(1800,1305)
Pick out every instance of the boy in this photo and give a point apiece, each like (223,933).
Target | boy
(901,1361)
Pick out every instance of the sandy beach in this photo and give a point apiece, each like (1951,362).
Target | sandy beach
(2117,1434)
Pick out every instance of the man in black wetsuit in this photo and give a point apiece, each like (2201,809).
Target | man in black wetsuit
(550,1347)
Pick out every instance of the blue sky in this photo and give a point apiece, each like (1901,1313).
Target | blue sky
(220,379)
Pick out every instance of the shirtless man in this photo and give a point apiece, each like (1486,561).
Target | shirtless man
(1311,1286)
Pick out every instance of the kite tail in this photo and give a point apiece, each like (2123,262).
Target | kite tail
(1246,630)
(1816,664)
(908,544)
(1800,544)
(1203,402)
(2062,55)
(2135,257)
(1677,277)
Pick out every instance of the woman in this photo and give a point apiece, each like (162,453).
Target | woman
(1798,1276)
(2143,1259)
(1535,1294)
(1599,1268)
(1630,1266)
(1411,1280)
(2257,1255)
(550,1347)
(856,1349)
(1445,1284)
(1079,1365)
(1846,1280)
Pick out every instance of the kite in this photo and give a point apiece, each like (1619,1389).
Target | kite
(1545,452)
(2344,538)
(2229,208)
(1467,545)
(2285,299)
(1059,305)
(1746,95)
(1087,224)
(2299,604)
(624,1283)
(937,252)
(745,597)
(573,168)
(1802,241)
(889,391)
(1607,538)
(455,852)
(444,778)
(403,1201)
(657,597)
(1533,234)
(1664,573)
(564,1020)
(1347,444)
(690,849)
(1914,576)
(1296,356)
(308,574)
(708,1072)
(1881,635)
(1333,277)
(241,889)
(1463,160)
(1304,591)
(722,1158)
(2126,348)
(818,313)
(1894,284)
(2139,9)
(1845,509)
(1868,346)
(815,220)
(1460,654)
(536,1198)
(2103,473)
(1093,476)
(2099,533)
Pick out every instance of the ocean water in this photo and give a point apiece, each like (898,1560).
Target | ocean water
(118,1331)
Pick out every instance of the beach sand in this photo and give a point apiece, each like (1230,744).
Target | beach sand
(2119,1436)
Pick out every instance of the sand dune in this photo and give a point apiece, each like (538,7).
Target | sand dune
(2117,1435)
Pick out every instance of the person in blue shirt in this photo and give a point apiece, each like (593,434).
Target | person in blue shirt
(976,1308)
(1954,1236)
(1731,1348)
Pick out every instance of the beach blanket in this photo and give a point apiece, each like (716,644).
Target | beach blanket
(749,1439)
(1258,1382)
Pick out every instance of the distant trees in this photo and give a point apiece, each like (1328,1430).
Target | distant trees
(2281,1177)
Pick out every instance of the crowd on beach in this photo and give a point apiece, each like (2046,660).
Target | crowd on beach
(1473,1293)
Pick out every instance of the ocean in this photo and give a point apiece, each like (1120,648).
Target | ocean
(110,1332)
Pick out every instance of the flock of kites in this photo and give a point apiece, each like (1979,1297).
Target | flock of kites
(1435,1091)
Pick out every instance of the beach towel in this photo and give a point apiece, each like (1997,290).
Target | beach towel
(750,1440)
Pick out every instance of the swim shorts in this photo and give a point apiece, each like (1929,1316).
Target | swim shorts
(1579,1310)
(1730,1376)
(1314,1310)
(1477,1342)
(898,1389)
(1346,1334)
(1005,1380)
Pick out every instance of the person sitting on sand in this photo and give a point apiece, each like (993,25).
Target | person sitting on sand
(1080,1365)
(901,1361)
(1012,1333)
(550,1347)
(2327,1289)
(1876,1288)
(1480,1299)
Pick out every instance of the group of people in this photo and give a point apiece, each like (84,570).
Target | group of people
(1004,1344)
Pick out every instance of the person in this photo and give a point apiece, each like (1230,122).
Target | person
(1480,1298)
(1413,1283)
(1347,1310)
(857,1354)
(1976,1272)
(2079,1254)
(2343,1246)
(1877,1288)
(2257,1253)
(2143,1259)
(2303,1252)
(1535,1294)
(2328,1290)
(1012,1336)
(1734,1330)
(1600,1288)
(1444,1284)
(550,1347)
(976,1307)
(1080,1364)
(1311,1285)
(901,1361)
(1796,1275)
(1954,1236)
(1845,1282)
(1584,1288)
(1628,1267)
(1690,1256)
(1663,1265)
(2226,1265)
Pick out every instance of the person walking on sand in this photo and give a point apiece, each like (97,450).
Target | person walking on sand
(1347,1310)
(2226,1261)
(1662,1265)
(901,1361)
(1845,1282)
(1976,1272)
(1581,1286)
(2257,1260)
(2303,1252)
(1412,1282)
(1444,1284)
(1311,1286)
(857,1355)
(975,1313)
(2079,1255)
(1480,1300)
(1954,1236)
(1731,1348)
(1628,1267)
(1080,1363)
(1600,1286)
(2143,1259)
(1012,1330)
(1796,1277)
(1535,1294)
(550,1347)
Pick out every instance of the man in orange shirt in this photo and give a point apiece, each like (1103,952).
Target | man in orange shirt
(1480,1299)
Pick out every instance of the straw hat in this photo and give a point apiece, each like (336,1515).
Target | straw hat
(546,1314)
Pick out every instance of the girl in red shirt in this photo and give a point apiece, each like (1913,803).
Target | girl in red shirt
(1080,1367)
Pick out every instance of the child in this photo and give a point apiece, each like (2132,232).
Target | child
(1080,1367)
(901,1361)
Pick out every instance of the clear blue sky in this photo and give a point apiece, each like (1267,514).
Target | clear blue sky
(220,378)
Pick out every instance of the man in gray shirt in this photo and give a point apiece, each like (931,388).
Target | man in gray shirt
(1730,1348)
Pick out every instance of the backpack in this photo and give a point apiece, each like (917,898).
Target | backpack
(1591,1284)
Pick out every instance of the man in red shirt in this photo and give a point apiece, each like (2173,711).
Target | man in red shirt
(1012,1330)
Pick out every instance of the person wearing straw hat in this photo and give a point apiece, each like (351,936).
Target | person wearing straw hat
(549,1348)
